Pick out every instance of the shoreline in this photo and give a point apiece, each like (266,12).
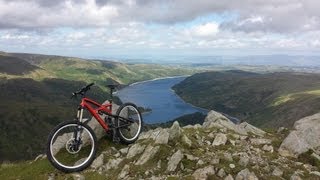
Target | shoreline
(150,80)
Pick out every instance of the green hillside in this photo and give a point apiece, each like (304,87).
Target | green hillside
(35,94)
(30,109)
(265,100)
(99,71)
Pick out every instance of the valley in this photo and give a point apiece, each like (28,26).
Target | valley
(268,100)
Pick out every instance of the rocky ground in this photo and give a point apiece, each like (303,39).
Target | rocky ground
(218,149)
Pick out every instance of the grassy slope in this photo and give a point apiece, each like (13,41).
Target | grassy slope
(29,109)
(98,71)
(266,100)
(35,94)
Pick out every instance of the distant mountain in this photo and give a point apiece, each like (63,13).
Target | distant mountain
(15,66)
(265,100)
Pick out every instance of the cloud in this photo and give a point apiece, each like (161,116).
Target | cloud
(278,16)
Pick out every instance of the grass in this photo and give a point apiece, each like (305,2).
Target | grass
(41,169)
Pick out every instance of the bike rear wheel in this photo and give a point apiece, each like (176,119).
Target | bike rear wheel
(129,123)
(71,146)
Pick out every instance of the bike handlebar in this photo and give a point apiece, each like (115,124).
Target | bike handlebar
(83,90)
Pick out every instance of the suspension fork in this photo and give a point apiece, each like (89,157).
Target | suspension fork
(78,132)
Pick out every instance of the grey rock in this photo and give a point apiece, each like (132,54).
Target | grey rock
(159,164)
(203,173)
(124,172)
(174,161)
(163,137)
(246,175)
(277,172)
(244,160)
(295,177)
(186,140)
(221,173)
(135,150)
(252,129)
(215,119)
(78,176)
(268,148)
(148,154)
(215,161)
(220,139)
(229,177)
(51,176)
(315,173)
(191,157)
(113,163)
(98,162)
(281,129)
(316,156)
(227,156)
(305,136)
(260,141)
(200,162)
(232,166)
(174,131)
(124,151)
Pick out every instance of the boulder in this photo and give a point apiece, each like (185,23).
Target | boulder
(163,137)
(135,150)
(252,129)
(305,136)
(98,162)
(246,175)
(203,173)
(148,154)
(260,141)
(215,119)
(174,131)
(174,161)
(220,139)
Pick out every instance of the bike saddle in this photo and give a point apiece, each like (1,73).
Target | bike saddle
(112,86)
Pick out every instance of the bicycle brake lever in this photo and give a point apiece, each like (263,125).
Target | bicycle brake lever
(73,95)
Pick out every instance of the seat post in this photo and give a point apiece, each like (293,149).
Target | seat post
(111,94)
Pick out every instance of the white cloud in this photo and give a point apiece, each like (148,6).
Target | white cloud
(208,29)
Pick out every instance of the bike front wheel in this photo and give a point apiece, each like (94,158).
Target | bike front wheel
(71,146)
(129,123)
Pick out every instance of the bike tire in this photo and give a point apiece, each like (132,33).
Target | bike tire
(120,131)
(56,164)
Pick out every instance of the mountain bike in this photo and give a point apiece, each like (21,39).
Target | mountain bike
(72,145)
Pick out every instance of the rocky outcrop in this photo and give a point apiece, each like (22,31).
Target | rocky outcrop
(215,119)
(219,149)
(305,136)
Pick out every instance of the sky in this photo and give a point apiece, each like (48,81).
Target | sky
(160,28)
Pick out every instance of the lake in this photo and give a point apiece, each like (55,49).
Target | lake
(158,96)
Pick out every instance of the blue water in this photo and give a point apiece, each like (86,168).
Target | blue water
(158,96)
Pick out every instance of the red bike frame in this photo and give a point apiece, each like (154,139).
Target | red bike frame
(95,109)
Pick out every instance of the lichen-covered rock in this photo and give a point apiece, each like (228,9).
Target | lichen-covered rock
(174,131)
(260,141)
(203,173)
(215,119)
(305,136)
(277,172)
(174,161)
(246,175)
(124,172)
(163,137)
(220,139)
(98,162)
(135,150)
(186,140)
(252,129)
(148,154)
